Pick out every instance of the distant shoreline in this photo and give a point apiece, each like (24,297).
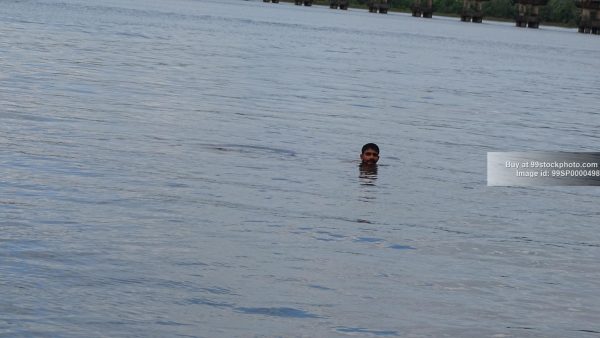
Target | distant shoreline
(449,15)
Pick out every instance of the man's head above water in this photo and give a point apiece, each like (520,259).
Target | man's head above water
(369,154)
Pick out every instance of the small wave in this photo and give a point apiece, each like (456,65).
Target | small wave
(587,331)
(401,247)
(352,330)
(206,301)
(250,149)
(368,240)
(277,312)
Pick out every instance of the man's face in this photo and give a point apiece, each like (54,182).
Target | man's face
(370,156)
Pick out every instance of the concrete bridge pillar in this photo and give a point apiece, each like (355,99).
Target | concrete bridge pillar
(422,8)
(528,12)
(380,6)
(472,11)
(342,4)
(589,22)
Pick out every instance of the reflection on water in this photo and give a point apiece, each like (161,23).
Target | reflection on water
(367,173)
(367,176)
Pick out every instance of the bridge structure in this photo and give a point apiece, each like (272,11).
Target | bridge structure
(422,8)
(380,6)
(590,16)
(528,12)
(341,4)
(302,2)
(472,11)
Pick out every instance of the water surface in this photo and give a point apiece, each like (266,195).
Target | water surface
(188,169)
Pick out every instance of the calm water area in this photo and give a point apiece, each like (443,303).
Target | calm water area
(189,168)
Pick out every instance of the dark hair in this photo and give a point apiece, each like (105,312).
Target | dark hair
(372,146)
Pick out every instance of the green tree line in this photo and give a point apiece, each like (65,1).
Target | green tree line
(561,12)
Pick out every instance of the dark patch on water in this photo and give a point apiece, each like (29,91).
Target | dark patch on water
(588,331)
(314,286)
(191,264)
(452,231)
(60,222)
(177,185)
(170,323)
(362,105)
(333,237)
(205,301)
(368,240)
(324,239)
(367,331)
(218,291)
(249,149)
(401,247)
(126,281)
(323,232)
(277,312)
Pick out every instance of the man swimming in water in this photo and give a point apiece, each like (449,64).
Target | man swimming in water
(369,154)
(368,165)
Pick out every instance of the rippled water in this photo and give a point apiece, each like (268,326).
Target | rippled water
(189,169)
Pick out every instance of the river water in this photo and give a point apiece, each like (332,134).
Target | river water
(189,169)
